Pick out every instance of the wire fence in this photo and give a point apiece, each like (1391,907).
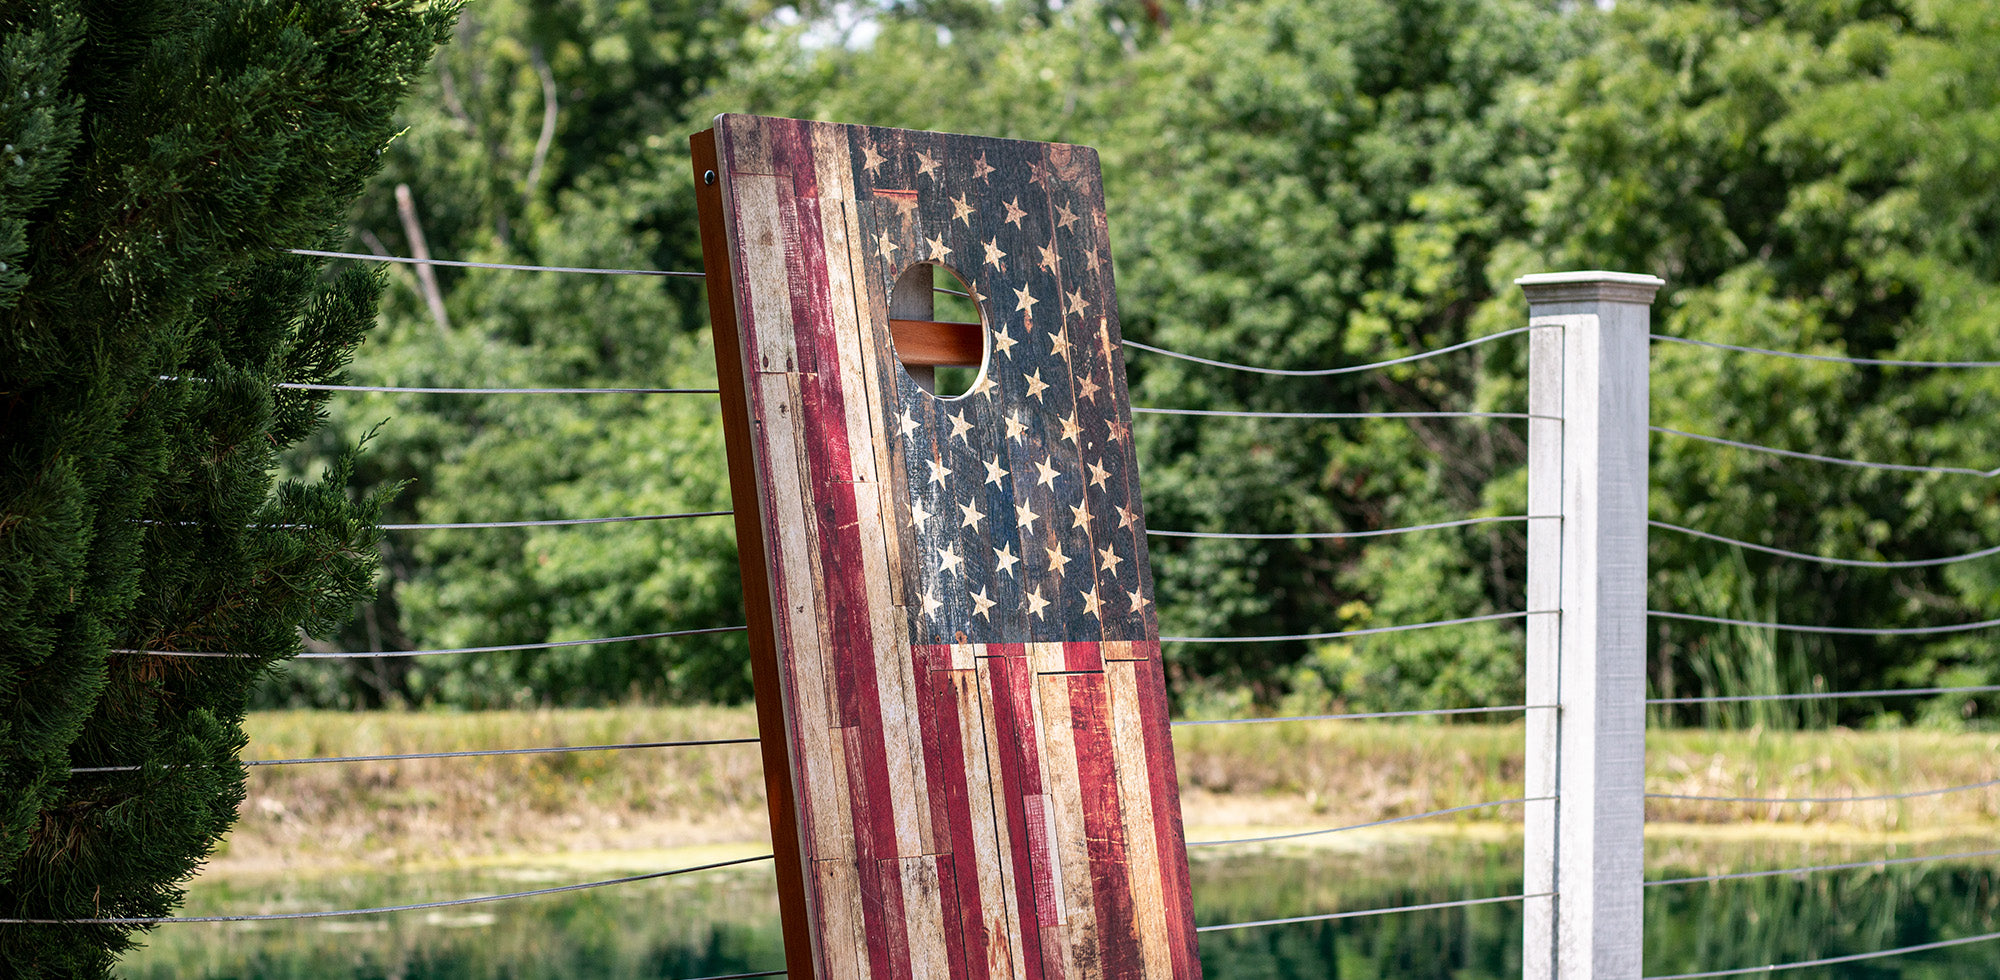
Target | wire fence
(1386,821)
(1822,458)
(1828,630)
(1219,534)
(500,648)
(637,745)
(379,910)
(1825,559)
(461,754)
(1816,868)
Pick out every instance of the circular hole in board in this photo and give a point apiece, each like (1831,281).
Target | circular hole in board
(933,320)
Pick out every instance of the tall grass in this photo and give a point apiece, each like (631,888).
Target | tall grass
(1236,780)
(1737,661)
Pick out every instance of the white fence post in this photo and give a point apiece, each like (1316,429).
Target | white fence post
(1587,644)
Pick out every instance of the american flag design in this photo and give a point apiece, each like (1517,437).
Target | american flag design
(975,716)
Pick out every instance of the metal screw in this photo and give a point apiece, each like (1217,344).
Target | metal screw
(708,177)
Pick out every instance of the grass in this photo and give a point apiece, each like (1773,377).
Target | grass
(1237,781)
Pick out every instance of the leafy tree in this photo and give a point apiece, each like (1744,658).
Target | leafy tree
(551,134)
(1293,185)
(1807,176)
(158,158)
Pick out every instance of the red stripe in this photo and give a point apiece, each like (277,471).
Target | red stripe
(977,931)
(807,281)
(845,592)
(890,944)
(944,762)
(1011,737)
(931,656)
(944,743)
(881,909)
(1083,656)
(1170,843)
(1104,828)
(955,956)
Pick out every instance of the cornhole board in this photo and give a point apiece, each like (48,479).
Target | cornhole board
(954,646)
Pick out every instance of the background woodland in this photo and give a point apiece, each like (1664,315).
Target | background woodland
(1292,184)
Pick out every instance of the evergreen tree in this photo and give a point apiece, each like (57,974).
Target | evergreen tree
(158,158)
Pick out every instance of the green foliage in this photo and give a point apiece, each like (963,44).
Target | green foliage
(1804,175)
(1294,185)
(595,177)
(158,157)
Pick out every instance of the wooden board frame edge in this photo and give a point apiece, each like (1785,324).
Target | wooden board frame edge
(787,856)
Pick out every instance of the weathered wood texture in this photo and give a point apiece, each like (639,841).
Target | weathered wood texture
(959,600)
(1588,365)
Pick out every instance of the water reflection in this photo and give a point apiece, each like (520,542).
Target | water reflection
(725,922)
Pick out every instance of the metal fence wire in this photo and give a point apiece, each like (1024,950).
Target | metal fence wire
(1526,709)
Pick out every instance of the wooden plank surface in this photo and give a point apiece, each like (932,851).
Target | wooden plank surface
(963,680)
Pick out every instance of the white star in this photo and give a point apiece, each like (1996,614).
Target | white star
(931,603)
(972,515)
(1108,560)
(926,164)
(1088,389)
(1056,560)
(1066,216)
(1036,385)
(1077,304)
(1005,556)
(1126,517)
(980,604)
(1048,472)
(994,472)
(1015,428)
(1137,600)
(993,253)
(872,161)
(1098,475)
(959,426)
(1070,428)
(1001,342)
(1092,605)
(1014,212)
(1025,516)
(885,246)
(1081,514)
(961,211)
(1059,344)
(984,385)
(980,168)
(1036,603)
(938,470)
(1050,260)
(1115,430)
(948,560)
(918,515)
(938,251)
(906,423)
(1092,260)
(1024,302)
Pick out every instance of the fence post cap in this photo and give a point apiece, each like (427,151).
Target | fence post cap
(1559,287)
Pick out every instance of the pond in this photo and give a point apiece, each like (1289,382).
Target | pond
(723,922)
